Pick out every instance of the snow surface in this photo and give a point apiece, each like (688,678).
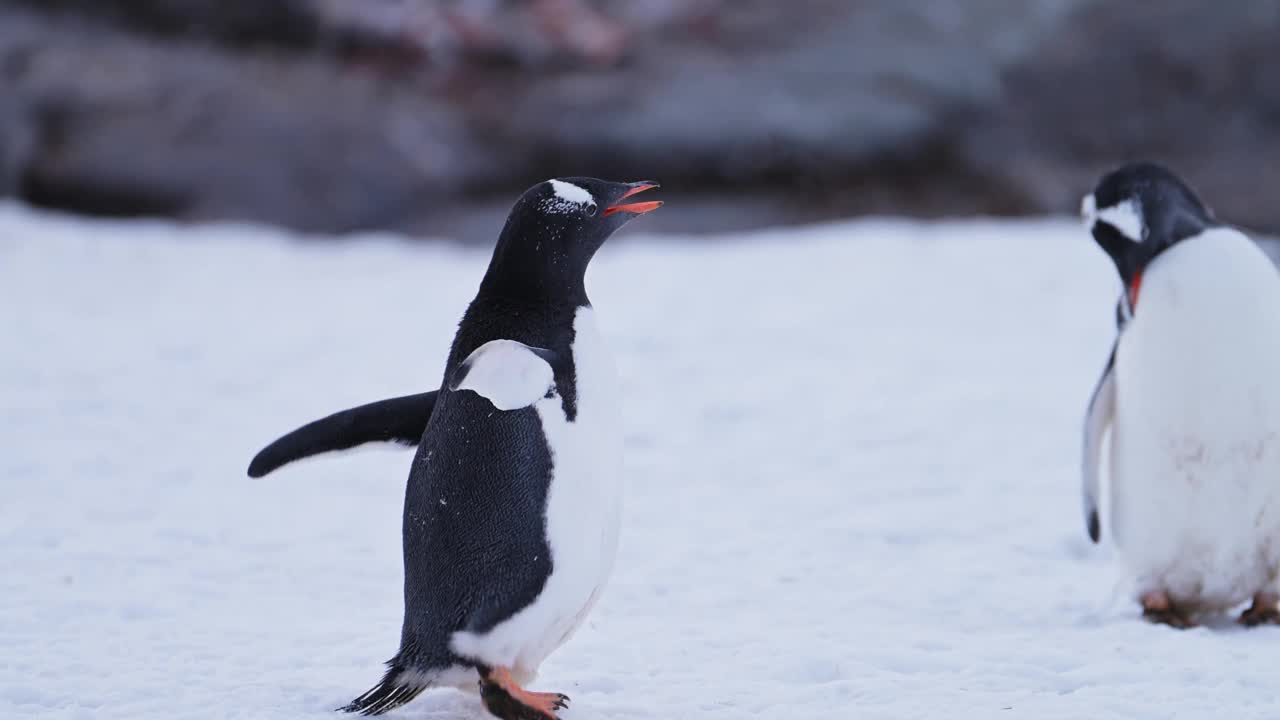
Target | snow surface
(852,467)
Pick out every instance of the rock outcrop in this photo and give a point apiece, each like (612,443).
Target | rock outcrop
(333,115)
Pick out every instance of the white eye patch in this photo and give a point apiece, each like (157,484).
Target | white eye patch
(1088,210)
(1125,216)
(567,198)
(570,192)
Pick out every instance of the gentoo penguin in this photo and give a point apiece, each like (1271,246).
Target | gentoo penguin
(512,507)
(1191,396)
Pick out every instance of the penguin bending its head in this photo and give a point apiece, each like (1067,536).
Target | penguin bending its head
(1191,398)
(512,506)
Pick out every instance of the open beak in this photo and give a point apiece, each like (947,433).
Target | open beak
(638,208)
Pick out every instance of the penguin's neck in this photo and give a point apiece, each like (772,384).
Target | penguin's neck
(540,273)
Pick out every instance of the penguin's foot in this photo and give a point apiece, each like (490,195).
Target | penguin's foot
(1264,611)
(1157,608)
(507,700)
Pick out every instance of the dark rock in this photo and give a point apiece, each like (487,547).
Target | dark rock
(17,135)
(814,101)
(129,127)
(1183,82)
(285,23)
(751,112)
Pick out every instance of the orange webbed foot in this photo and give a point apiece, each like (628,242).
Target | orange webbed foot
(503,697)
(1157,608)
(1264,611)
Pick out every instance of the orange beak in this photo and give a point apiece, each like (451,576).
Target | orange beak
(639,208)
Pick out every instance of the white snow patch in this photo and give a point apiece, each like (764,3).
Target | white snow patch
(883,526)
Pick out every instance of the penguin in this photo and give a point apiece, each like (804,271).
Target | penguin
(1191,398)
(512,506)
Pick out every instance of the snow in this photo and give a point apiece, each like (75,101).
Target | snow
(852,473)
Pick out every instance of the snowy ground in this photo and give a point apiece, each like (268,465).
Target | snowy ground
(852,475)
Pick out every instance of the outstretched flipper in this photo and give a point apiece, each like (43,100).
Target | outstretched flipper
(509,374)
(399,420)
(1102,409)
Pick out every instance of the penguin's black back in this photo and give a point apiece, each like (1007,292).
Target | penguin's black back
(475,545)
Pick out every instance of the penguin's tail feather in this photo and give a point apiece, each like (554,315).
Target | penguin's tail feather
(397,687)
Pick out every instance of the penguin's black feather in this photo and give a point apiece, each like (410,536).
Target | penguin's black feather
(390,693)
(399,420)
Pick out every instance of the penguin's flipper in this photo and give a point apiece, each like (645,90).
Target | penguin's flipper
(399,420)
(1102,408)
(509,374)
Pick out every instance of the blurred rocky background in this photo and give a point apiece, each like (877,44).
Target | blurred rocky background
(427,116)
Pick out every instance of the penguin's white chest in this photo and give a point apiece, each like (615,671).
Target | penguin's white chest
(1195,451)
(584,504)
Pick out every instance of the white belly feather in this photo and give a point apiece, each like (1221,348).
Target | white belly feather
(584,505)
(1196,440)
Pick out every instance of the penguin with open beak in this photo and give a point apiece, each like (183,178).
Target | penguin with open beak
(512,509)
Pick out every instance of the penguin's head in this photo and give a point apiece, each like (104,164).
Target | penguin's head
(556,227)
(1137,212)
